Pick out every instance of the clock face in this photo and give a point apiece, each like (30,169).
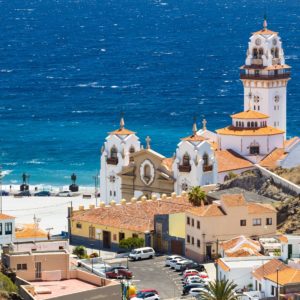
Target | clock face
(274,42)
(257,42)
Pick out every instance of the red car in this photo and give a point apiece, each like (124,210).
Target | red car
(118,273)
(195,273)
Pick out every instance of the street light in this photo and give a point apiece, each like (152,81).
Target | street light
(96,188)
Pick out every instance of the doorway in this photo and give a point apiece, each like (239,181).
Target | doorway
(107,239)
(208,252)
(38,270)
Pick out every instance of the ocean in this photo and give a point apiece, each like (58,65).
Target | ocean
(68,68)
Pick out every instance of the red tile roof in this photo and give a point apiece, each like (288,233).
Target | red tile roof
(30,231)
(270,160)
(233,200)
(285,276)
(249,114)
(122,131)
(6,217)
(242,131)
(268,268)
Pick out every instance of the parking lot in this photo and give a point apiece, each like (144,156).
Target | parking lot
(152,273)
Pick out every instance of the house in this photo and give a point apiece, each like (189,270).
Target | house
(274,275)
(29,232)
(239,269)
(7,229)
(240,246)
(225,219)
(290,246)
(105,226)
(50,275)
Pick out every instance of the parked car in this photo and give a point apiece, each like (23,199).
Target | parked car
(118,272)
(193,265)
(64,194)
(192,279)
(144,291)
(178,266)
(24,194)
(169,258)
(43,194)
(196,291)
(192,273)
(189,271)
(146,295)
(187,288)
(122,253)
(4,193)
(142,253)
(173,262)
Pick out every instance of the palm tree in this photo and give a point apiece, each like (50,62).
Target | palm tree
(196,196)
(219,290)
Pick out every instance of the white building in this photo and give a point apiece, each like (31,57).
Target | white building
(7,229)
(195,163)
(239,269)
(290,246)
(115,155)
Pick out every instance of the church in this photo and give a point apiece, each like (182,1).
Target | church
(255,136)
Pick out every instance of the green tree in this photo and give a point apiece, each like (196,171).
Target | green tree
(220,290)
(196,196)
(80,251)
(131,243)
(6,284)
(231,175)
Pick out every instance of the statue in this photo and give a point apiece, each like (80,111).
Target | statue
(73,187)
(24,186)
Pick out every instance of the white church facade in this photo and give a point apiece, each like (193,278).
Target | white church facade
(256,135)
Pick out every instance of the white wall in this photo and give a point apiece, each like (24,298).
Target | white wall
(295,242)
(292,159)
(240,276)
(7,238)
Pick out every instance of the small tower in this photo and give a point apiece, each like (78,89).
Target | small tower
(194,163)
(115,154)
(265,76)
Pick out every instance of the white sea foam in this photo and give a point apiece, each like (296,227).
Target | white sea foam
(34,161)
(173,113)
(6,70)
(10,163)
(6,172)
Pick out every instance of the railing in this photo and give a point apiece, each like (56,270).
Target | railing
(207,168)
(184,168)
(112,160)
(257,61)
(265,77)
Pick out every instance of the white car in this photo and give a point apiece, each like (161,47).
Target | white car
(173,262)
(64,194)
(146,295)
(196,291)
(169,258)
(180,263)
(142,253)
(193,279)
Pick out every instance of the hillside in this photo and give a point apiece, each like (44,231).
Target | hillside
(292,174)
(287,205)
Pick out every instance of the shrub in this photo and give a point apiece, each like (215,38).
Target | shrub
(131,243)
(94,254)
(6,284)
(80,251)
(196,196)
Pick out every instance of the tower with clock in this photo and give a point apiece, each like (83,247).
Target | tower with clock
(265,76)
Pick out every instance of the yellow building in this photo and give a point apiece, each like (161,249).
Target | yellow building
(105,226)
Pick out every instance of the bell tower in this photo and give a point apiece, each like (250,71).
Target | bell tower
(265,76)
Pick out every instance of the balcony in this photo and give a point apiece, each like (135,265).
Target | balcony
(184,168)
(265,77)
(112,160)
(207,168)
(257,61)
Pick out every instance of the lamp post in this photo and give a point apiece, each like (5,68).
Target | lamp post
(96,188)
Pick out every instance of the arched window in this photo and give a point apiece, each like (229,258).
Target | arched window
(242,124)
(237,124)
(184,187)
(260,52)
(248,124)
(186,160)
(252,124)
(205,159)
(255,53)
(273,52)
(131,150)
(276,99)
(255,124)
(113,152)
(254,107)
(276,52)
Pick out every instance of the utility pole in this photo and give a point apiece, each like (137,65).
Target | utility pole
(1,176)
(277,291)
(217,266)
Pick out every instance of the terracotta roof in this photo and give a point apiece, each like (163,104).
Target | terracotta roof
(228,160)
(286,275)
(194,138)
(243,252)
(249,114)
(223,265)
(214,145)
(283,239)
(30,231)
(289,142)
(270,160)
(136,216)
(6,217)
(265,31)
(268,268)
(231,130)
(122,131)
(259,208)
(168,163)
(233,200)
(212,210)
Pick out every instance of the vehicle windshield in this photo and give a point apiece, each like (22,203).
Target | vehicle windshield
(134,252)
(140,294)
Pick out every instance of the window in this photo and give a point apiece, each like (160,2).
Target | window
(193,222)
(184,187)
(198,224)
(121,236)
(0,228)
(272,290)
(188,221)
(91,232)
(112,178)
(114,193)
(21,267)
(205,159)
(131,150)
(255,53)
(259,286)
(258,107)
(269,221)
(254,107)
(113,152)
(193,241)
(188,239)
(186,160)
(110,193)
(135,235)
(256,222)
(8,228)
(254,150)
(147,173)
(114,237)
(243,222)
(198,243)
(256,72)
(78,225)
(260,52)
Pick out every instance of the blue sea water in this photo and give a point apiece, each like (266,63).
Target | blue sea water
(69,67)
